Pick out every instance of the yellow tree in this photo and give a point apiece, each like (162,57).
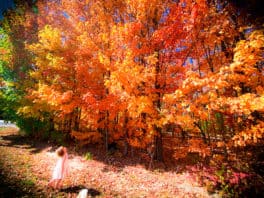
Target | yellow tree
(21,27)
(68,64)
(55,71)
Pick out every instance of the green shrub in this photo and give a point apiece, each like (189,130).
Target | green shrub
(58,137)
(88,156)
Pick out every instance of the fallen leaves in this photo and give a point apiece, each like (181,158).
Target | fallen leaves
(110,180)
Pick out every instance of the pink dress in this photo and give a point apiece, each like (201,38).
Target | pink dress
(61,168)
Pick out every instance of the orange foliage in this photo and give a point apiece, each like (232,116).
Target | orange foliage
(129,68)
(87,137)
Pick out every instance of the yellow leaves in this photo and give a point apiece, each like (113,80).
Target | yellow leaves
(128,77)
(257,103)
(113,52)
(103,59)
(235,89)
(260,90)
(53,99)
(67,96)
(6,48)
(85,42)
(248,52)
(197,145)
(104,37)
(135,142)
(87,137)
(257,39)
(50,38)
(212,95)
(250,136)
(144,9)
(170,98)
(48,51)
(244,104)
(186,122)
(54,61)
(9,83)
(138,105)
(169,118)
(26,110)
(220,144)
(152,59)
(30,111)
(178,93)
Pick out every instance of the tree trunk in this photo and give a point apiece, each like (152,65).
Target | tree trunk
(158,155)
(106,131)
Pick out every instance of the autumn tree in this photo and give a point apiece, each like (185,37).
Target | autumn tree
(211,52)
(137,75)
(126,71)
(69,72)
(18,27)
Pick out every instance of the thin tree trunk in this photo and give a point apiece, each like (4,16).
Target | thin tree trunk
(158,148)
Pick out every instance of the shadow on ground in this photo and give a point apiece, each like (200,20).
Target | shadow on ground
(18,141)
(16,188)
(76,189)
(114,160)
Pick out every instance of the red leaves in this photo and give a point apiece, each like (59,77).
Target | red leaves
(128,68)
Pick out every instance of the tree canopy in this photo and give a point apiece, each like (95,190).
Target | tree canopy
(133,72)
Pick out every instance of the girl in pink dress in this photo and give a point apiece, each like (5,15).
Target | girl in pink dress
(61,168)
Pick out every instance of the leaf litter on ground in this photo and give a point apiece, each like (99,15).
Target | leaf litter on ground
(33,170)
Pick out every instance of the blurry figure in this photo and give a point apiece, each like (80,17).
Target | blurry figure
(83,193)
(61,168)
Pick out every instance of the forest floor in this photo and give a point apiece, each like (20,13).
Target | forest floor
(26,166)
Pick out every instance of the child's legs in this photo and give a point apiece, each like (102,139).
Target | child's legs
(52,182)
(58,183)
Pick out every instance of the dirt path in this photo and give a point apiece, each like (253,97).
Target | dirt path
(26,166)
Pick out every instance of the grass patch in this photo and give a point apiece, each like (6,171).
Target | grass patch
(88,156)
(28,183)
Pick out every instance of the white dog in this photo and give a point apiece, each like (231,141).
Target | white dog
(83,193)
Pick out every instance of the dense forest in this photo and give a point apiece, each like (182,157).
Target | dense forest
(166,77)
